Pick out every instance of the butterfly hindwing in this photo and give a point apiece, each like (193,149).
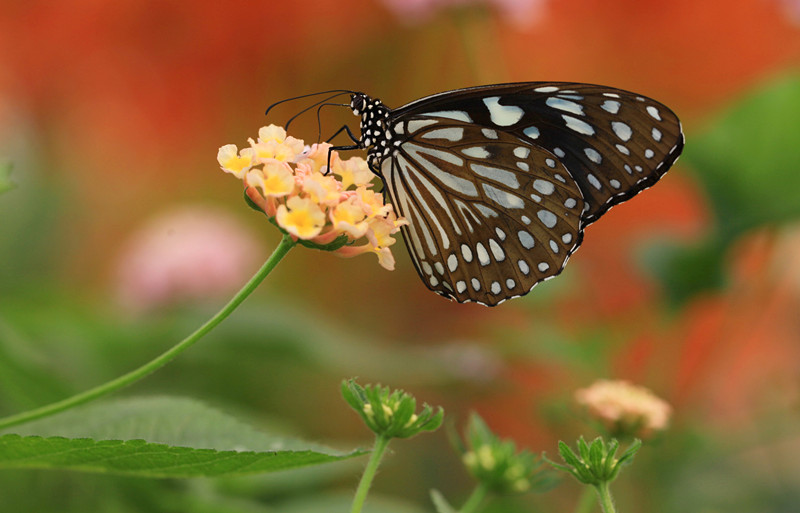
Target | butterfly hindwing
(490,215)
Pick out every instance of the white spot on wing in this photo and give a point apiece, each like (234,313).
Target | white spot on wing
(502,115)
(547,218)
(526,239)
(489,133)
(483,255)
(543,186)
(449,134)
(497,251)
(521,152)
(546,89)
(416,124)
(653,112)
(610,106)
(531,132)
(565,105)
(506,178)
(466,252)
(452,262)
(503,198)
(577,125)
(656,133)
(592,155)
(449,180)
(622,130)
(486,211)
(476,152)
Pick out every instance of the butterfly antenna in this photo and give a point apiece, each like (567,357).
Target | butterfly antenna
(310,107)
(319,121)
(306,96)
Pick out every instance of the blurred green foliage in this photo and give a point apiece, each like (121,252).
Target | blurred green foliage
(748,162)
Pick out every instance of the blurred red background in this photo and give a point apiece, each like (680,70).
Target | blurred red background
(118,109)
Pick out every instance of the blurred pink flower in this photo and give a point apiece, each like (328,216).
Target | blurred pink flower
(625,409)
(791,9)
(519,12)
(190,253)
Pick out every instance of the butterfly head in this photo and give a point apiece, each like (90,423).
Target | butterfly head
(358,103)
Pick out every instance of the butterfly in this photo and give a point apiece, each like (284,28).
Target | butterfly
(499,182)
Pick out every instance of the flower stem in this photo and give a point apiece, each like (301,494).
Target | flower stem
(475,499)
(604,494)
(381,442)
(586,500)
(135,375)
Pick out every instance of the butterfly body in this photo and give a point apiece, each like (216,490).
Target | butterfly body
(498,182)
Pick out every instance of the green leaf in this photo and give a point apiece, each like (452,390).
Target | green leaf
(5,178)
(145,459)
(747,163)
(162,419)
(156,437)
(748,160)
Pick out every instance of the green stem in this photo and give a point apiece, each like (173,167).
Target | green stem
(586,500)
(475,499)
(126,379)
(381,442)
(604,494)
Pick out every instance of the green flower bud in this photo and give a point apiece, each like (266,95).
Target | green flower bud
(497,464)
(390,413)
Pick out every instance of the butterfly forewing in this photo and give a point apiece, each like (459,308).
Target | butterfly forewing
(490,215)
(615,143)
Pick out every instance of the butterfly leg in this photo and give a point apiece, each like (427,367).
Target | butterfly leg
(344,128)
(356,146)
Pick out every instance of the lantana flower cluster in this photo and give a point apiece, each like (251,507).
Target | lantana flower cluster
(329,209)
